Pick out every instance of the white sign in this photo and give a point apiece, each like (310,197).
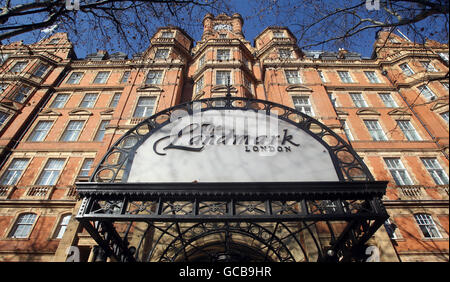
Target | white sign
(231,146)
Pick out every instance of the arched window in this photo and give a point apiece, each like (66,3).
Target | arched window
(23,225)
(62,226)
(427,225)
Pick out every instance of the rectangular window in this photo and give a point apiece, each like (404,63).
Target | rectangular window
(358,100)
(22,227)
(72,131)
(427,226)
(375,130)
(51,171)
(145,107)
(115,100)
(14,171)
(428,66)
(445,85)
(345,76)
(322,77)
(154,77)
(167,34)
(302,104)
(372,76)
(293,77)
(408,129)
(18,67)
(426,92)
(223,54)
(101,131)
(436,171)
(88,100)
(278,34)
(285,53)
(74,78)
(3,86)
(125,77)
(406,69)
(333,99)
(3,117)
(59,101)
(445,116)
(3,58)
(247,84)
(86,167)
(40,71)
(347,131)
(40,131)
(390,229)
(201,61)
(223,77)
(101,77)
(388,100)
(199,85)
(398,171)
(444,57)
(162,54)
(21,94)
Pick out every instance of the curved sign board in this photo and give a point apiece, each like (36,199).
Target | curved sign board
(230,146)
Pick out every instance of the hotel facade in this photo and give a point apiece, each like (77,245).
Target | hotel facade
(61,118)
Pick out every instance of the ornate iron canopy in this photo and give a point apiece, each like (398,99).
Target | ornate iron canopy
(210,221)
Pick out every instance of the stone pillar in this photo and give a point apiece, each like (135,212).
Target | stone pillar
(207,25)
(237,23)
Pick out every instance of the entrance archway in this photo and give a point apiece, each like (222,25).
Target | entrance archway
(322,220)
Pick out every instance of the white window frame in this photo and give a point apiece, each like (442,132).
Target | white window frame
(167,34)
(293,77)
(345,77)
(148,109)
(199,84)
(322,76)
(162,53)
(347,130)
(14,172)
(125,77)
(435,170)
(40,132)
(54,172)
(375,130)
(115,100)
(426,92)
(398,171)
(19,67)
(61,103)
(87,101)
(75,78)
(156,79)
(223,54)
(101,77)
(428,66)
(427,226)
(299,104)
(62,226)
(444,116)
(72,131)
(408,130)
(222,75)
(358,100)
(372,76)
(86,167)
(406,69)
(101,130)
(23,226)
(285,53)
(22,94)
(4,116)
(390,102)
(41,70)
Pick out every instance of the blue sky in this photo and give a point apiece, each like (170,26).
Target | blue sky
(289,13)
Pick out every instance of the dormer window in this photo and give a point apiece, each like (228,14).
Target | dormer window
(278,34)
(162,54)
(167,34)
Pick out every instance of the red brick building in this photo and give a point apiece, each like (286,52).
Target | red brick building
(59,115)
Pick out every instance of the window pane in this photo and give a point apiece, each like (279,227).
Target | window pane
(101,77)
(75,78)
(144,107)
(21,94)
(86,167)
(60,101)
(154,77)
(302,104)
(388,100)
(406,69)
(115,100)
(18,67)
(51,171)
(398,171)
(427,226)
(167,34)
(62,226)
(372,76)
(40,131)
(293,77)
(434,168)
(3,117)
(199,85)
(41,70)
(14,171)
(73,130)
(162,54)
(223,55)
(358,100)
(426,92)
(445,116)
(408,130)
(345,76)
(23,226)
(101,131)
(125,77)
(375,130)
(223,77)
(88,100)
